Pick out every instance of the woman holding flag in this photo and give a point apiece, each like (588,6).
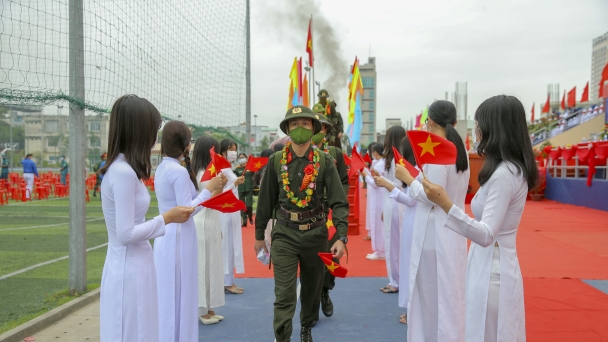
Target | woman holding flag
(175,254)
(438,258)
(494,290)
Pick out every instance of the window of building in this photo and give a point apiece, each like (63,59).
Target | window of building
(52,141)
(95,126)
(51,126)
(371,128)
(368,82)
(371,105)
(94,142)
(371,94)
(371,116)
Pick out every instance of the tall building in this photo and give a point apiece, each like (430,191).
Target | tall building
(599,58)
(393,122)
(368,103)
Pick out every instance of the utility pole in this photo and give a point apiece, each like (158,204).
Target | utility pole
(77,280)
(255,128)
(10,169)
(248,81)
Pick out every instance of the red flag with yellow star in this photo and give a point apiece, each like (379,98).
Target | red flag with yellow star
(356,163)
(331,229)
(254,164)
(215,166)
(431,149)
(226,202)
(403,162)
(336,270)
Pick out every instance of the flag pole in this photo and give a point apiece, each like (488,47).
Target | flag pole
(312,61)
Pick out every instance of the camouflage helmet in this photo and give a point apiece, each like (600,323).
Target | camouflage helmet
(323,93)
(318,109)
(324,120)
(300,112)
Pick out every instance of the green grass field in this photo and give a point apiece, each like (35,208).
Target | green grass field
(35,232)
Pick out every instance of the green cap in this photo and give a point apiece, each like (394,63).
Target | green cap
(318,109)
(300,112)
(324,120)
(323,93)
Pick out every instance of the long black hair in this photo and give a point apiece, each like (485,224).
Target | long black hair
(370,148)
(175,143)
(134,125)
(443,113)
(378,148)
(407,152)
(392,139)
(504,137)
(201,157)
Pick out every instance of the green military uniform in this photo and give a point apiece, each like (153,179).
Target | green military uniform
(299,233)
(337,124)
(245,193)
(63,170)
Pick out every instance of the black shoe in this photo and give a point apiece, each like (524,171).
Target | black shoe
(306,332)
(313,324)
(326,305)
(94,194)
(250,214)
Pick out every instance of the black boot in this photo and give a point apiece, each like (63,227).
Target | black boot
(306,332)
(326,305)
(250,214)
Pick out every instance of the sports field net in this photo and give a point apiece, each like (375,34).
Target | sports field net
(186,57)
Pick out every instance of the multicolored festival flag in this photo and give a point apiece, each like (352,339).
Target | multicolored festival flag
(295,84)
(431,149)
(355,93)
(424,116)
(226,202)
(215,166)
(336,270)
(254,164)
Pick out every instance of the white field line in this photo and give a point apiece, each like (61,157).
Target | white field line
(46,263)
(45,226)
(37,201)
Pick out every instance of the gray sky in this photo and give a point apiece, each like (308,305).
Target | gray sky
(422,48)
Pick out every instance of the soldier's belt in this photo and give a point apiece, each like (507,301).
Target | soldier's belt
(308,226)
(300,216)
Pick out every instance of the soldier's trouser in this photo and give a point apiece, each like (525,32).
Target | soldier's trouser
(329,281)
(247,198)
(289,248)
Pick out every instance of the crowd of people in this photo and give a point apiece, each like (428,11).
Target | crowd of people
(418,225)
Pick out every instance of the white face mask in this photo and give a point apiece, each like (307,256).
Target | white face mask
(231,156)
(242,160)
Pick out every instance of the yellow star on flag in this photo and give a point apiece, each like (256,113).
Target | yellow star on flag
(212,169)
(428,146)
(258,165)
(332,267)
(329,223)
(227,205)
(401,162)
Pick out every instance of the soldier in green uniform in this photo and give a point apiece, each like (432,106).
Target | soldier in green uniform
(63,170)
(98,176)
(293,186)
(337,125)
(329,281)
(245,189)
(4,173)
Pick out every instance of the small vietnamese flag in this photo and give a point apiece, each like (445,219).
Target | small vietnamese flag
(367,159)
(225,203)
(431,149)
(215,166)
(336,270)
(347,160)
(256,163)
(357,163)
(331,229)
(403,162)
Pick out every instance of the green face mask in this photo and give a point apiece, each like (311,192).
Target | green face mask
(300,135)
(318,138)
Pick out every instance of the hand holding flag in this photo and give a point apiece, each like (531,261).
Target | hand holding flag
(225,203)
(215,166)
(431,149)
(399,160)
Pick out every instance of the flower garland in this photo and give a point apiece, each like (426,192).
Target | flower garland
(311,172)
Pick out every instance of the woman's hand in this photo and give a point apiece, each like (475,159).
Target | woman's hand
(239,181)
(375,173)
(436,194)
(383,182)
(214,184)
(364,173)
(178,214)
(224,179)
(402,174)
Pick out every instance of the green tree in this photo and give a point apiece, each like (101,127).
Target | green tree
(18,134)
(264,144)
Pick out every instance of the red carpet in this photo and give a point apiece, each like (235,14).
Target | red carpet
(558,244)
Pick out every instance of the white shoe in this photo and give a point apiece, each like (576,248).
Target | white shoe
(211,320)
(374,256)
(218,317)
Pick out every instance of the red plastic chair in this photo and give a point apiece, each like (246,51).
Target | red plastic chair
(24,197)
(3,197)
